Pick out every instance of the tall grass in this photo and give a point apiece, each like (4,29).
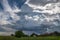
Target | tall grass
(30,38)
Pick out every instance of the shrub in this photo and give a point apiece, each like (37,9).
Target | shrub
(19,34)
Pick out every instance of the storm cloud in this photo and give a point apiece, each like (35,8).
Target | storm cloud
(38,16)
(42,2)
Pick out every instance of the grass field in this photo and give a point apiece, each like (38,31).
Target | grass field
(30,38)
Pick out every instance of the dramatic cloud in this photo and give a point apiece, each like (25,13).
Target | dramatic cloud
(42,2)
(8,13)
(8,16)
(45,6)
(26,8)
(38,16)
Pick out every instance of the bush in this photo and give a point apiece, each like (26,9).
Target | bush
(33,35)
(12,34)
(19,34)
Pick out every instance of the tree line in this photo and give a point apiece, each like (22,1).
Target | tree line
(21,34)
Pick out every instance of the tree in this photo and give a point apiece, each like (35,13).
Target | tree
(19,34)
(56,33)
(33,35)
(12,34)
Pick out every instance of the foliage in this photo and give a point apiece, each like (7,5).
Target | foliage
(30,38)
(33,35)
(51,34)
(12,34)
(19,34)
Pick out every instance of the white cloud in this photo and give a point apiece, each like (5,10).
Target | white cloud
(28,17)
(32,18)
(51,6)
(27,1)
(9,12)
(15,9)
(36,18)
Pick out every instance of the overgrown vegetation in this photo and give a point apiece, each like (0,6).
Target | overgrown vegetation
(21,34)
(30,38)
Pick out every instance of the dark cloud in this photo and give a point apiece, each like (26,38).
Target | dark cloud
(39,26)
(42,2)
(52,25)
(26,8)
(1,7)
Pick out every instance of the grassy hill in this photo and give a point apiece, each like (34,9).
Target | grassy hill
(30,38)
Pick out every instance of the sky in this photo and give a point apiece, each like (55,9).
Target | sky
(31,16)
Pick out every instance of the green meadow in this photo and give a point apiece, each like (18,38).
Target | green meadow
(30,38)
